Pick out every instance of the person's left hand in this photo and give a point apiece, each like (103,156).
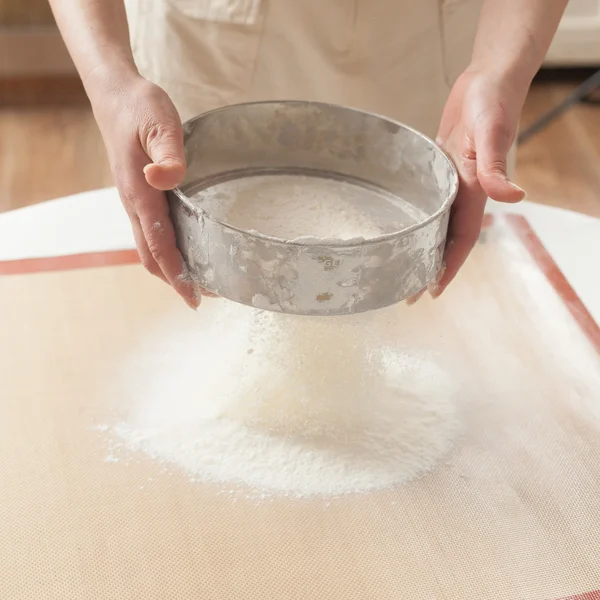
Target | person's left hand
(477,130)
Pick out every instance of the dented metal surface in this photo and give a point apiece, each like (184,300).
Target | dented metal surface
(325,140)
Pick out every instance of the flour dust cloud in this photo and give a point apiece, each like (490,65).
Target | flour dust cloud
(286,405)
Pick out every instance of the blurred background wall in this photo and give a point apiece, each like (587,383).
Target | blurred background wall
(49,143)
(50,146)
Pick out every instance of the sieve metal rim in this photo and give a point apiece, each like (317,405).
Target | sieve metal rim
(445,205)
(312,276)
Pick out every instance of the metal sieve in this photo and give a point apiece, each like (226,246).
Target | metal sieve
(316,140)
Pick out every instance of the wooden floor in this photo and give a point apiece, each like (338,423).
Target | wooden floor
(52,151)
(560,165)
(48,148)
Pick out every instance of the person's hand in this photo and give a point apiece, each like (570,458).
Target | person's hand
(477,130)
(143,136)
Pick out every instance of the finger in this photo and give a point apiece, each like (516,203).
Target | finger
(198,290)
(414,299)
(158,231)
(434,287)
(466,215)
(164,176)
(463,232)
(431,287)
(162,141)
(493,144)
(155,236)
(143,251)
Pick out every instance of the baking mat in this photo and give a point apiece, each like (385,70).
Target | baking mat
(512,513)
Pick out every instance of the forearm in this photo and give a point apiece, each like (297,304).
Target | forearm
(97,37)
(513,36)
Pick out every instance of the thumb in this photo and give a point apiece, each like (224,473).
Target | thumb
(492,146)
(163,143)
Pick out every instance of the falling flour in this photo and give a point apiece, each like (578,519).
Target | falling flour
(285,404)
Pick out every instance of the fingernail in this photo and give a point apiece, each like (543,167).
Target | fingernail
(193,304)
(434,287)
(434,291)
(514,186)
(414,299)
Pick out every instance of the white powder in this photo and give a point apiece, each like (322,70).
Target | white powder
(307,209)
(286,405)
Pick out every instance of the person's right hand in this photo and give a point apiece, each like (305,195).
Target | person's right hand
(142,132)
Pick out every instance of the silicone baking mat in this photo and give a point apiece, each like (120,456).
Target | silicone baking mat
(512,513)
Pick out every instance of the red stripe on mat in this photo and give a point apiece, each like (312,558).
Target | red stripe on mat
(587,596)
(94,259)
(558,281)
(69,262)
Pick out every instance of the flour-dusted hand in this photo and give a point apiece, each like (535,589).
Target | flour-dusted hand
(478,128)
(143,136)
(140,126)
(481,117)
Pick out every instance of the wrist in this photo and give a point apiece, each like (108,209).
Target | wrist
(514,63)
(510,75)
(110,75)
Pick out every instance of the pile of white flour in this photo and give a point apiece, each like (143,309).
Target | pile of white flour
(286,404)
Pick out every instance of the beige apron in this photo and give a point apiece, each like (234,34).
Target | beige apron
(393,57)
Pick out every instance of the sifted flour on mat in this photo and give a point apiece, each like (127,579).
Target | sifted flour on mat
(288,405)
